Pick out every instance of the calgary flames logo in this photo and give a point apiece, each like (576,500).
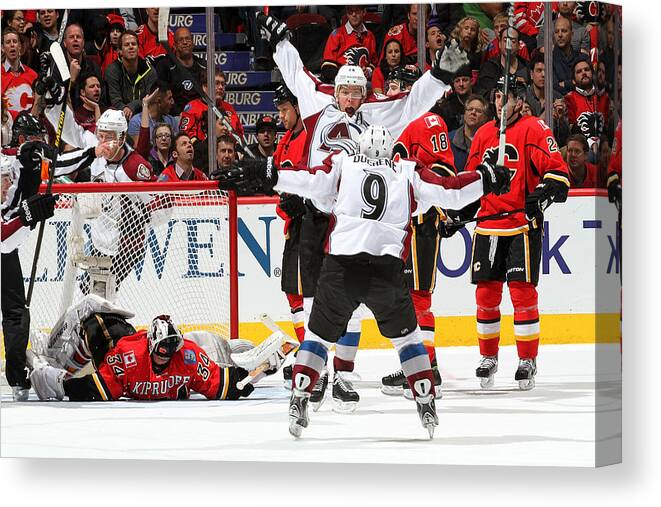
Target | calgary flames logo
(491,154)
(357,56)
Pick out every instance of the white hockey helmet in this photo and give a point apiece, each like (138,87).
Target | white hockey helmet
(351,75)
(164,338)
(376,142)
(112,120)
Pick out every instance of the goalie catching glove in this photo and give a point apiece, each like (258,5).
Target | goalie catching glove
(547,192)
(250,175)
(272,29)
(495,179)
(269,353)
(448,61)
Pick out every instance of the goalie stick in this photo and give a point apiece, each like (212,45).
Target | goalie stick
(163,20)
(61,65)
(287,346)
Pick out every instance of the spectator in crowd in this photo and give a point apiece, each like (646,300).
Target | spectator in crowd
(393,59)
(7,123)
(587,109)
(451,109)
(156,149)
(225,155)
(560,125)
(494,69)
(79,63)
(564,56)
(500,22)
(435,41)
(352,44)
(605,151)
(14,20)
(182,168)
(467,35)
(582,174)
(484,13)
(475,115)
(579,38)
(528,18)
(148,45)
(265,131)
(46,28)
(130,78)
(194,115)
(406,33)
(110,53)
(526,109)
(95,46)
(16,78)
(447,17)
(182,87)
(156,107)
(535,90)
(90,109)
(201,157)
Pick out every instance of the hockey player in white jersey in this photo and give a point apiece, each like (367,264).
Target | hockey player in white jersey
(334,119)
(373,198)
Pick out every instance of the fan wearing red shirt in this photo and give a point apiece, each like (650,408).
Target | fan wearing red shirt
(182,169)
(350,44)
(16,78)
(587,109)
(509,249)
(148,45)
(582,174)
(406,34)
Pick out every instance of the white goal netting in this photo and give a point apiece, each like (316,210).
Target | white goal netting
(153,253)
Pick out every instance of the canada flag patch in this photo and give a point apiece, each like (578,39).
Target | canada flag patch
(129,359)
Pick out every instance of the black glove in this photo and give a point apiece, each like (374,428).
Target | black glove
(235,375)
(495,179)
(328,73)
(292,205)
(448,61)
(259,175)
(447,228)
(31,153)
(37,208)
(615,190)
(272,29)
(50,89)
(545,193)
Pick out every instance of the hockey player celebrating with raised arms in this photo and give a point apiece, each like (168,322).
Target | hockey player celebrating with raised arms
(368,241)
(509,248)
(334,119)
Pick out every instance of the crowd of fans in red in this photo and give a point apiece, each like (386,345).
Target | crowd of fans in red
(116,62)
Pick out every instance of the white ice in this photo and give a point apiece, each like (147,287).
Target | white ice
(559,423)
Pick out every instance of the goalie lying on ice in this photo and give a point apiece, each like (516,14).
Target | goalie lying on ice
(154,364)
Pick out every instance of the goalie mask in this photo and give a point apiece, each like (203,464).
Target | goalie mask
(112,127)
(164,338)
(26,128)
(376,142)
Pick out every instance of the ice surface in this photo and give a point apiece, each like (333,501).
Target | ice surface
(554,424)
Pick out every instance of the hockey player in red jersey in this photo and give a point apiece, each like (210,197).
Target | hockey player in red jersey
(509,249)
(425,140)
(373,200)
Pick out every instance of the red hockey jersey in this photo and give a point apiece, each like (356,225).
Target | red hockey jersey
(426,139)
(533,155)
(588,112)
(349,46)
(127,372)
(193,118)
(289,153)
(402,34)
(148,44)
(17,88)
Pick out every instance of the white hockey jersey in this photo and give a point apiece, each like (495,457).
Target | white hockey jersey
(373,199)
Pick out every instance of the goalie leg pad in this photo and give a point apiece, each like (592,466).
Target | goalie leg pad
(269,351)
(46,381)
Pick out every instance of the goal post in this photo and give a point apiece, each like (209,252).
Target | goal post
(152,248)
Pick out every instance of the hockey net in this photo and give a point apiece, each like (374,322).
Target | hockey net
(151,248)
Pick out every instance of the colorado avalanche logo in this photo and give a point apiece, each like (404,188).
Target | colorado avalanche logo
(491,154)
(357,56)
(591,124)
(336,136)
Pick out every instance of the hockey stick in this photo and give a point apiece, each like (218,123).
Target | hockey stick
(503,111)
(61,65)
(502,214)
(287,347)
(163,20)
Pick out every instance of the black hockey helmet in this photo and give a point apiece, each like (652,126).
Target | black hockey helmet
(516,87)
(283,94)
(406,75)
(27,126)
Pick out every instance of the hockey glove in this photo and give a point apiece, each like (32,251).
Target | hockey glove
(31,153)
(495,179)
(37,208)
(235,375)
(615,190)
(50,89)
(541,198)
(272,29)
(448,62)
(446,228)
(258,175)
(292,204)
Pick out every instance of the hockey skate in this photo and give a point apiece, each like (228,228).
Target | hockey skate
(426,406)
(486,370)
(298,412)
(345,398)
(438,393)
(319,392)
(20,393)
(393,384)
(525,374)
